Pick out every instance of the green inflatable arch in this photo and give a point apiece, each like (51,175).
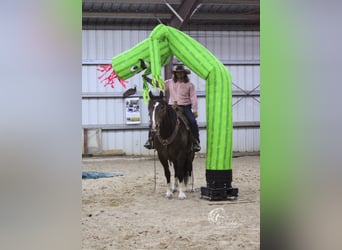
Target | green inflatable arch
(156,51)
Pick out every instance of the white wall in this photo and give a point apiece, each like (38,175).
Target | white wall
(239,51)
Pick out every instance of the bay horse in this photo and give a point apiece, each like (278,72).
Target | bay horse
(173,142)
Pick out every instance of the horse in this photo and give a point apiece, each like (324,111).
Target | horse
(173,142)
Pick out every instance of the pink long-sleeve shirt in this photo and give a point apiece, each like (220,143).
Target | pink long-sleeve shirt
(183,93)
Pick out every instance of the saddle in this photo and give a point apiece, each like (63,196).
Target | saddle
(182,117)
(184,120)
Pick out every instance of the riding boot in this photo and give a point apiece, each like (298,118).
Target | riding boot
(149,143)
(196,145)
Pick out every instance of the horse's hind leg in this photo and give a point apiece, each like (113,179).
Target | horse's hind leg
(175,185)
(189,172)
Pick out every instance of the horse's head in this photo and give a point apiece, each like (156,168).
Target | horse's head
(158,110)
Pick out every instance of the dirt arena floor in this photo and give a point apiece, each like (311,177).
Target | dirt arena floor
(124,212)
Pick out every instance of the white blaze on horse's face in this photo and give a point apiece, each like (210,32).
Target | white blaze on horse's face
(154,125)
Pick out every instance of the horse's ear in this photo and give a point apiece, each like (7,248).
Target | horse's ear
(161,95)
(150,94)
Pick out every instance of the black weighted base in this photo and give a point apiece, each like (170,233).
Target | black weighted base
(219,185)
(219,194)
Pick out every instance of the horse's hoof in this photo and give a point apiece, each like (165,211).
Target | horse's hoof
(181,196)
(168,195)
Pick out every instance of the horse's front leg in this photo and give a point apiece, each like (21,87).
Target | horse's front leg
(175,182)
(168,178)
(182,188)
(169,193)
(182,180)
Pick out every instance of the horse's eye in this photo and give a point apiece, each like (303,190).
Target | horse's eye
(134,68)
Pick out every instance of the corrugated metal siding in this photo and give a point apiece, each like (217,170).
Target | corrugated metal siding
(238,50)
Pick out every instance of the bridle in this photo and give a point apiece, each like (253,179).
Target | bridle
(165,141)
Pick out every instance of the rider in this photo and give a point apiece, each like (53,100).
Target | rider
(183,93)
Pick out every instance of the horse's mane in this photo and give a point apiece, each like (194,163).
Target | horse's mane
(171,111)
(172,115)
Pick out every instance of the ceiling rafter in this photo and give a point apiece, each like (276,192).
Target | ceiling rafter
(219,2)
(198,16)
(185,9)
(207,14)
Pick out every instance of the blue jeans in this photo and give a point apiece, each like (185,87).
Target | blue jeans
(192,120)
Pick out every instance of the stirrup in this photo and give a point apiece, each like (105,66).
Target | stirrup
(196,147)
(149,144)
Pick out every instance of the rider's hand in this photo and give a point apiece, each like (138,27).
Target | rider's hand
(195,114)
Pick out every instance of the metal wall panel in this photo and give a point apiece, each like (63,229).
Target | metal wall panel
(238,50)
